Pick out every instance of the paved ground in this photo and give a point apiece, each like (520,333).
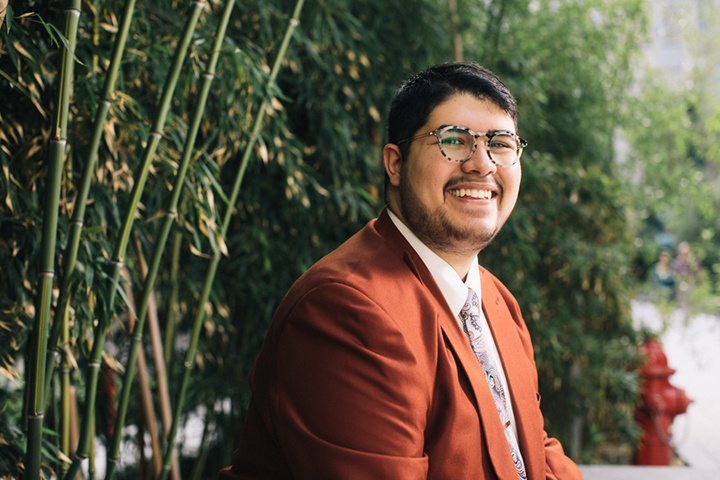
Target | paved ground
(630,472)
(692,347)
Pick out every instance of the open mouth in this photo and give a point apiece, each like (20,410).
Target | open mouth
(471,193)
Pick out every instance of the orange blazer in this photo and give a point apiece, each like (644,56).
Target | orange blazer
(365,373)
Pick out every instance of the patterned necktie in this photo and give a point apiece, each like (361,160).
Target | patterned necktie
(470,317)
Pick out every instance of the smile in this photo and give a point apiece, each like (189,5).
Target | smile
(473,193)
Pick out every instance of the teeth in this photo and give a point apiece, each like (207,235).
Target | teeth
(463,192)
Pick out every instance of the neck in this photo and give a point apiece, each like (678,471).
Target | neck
(461,263)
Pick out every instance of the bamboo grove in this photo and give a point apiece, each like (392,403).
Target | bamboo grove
(39,384)
(170,168)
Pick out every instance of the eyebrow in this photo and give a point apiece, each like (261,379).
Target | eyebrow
(491,132)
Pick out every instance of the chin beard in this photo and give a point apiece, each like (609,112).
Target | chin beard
(437,231)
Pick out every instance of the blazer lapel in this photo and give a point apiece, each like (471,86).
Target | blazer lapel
(495,439)
(519,372)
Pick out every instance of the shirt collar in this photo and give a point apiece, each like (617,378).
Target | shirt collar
(451,285)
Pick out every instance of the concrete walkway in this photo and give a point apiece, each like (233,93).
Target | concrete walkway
(692,347)
(629,472)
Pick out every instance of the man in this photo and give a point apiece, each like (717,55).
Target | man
(379,363)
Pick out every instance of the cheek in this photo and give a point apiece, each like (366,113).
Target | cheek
(511,185)
(428,182)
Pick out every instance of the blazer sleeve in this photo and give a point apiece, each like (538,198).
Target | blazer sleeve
(557,465)
(343,397)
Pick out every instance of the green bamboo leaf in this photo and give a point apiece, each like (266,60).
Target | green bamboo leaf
(214,182)
(56,36)
(6,16)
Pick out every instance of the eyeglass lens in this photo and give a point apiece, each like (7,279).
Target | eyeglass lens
(458,144)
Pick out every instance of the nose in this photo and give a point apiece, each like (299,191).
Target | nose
(479,163)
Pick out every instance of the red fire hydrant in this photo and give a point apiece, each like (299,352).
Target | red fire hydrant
(660,403)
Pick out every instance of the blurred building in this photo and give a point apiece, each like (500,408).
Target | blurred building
(682,44)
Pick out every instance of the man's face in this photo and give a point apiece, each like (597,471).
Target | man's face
(455,208)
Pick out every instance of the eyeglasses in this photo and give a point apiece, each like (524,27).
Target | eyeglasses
(459,143)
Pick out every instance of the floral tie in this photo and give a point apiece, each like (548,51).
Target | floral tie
(470,317)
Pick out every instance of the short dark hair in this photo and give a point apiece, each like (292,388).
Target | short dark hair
(417,98)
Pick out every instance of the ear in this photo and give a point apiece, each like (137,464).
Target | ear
(393,163)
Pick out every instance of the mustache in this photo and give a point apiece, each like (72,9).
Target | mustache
(473,179)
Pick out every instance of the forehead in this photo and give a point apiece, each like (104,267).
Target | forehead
(479,114)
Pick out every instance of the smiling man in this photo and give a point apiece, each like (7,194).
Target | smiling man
(455,196)
(397,356)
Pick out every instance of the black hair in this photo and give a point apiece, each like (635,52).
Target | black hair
(417,98)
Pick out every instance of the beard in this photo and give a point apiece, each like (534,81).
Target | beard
(438,231)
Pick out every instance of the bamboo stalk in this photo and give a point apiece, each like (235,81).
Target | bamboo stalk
(91,468)
(66,395)
(77,221)
(212,268)
(455,30)
(61,325)
(74,424)
(493,32)
(162,379)
(57,420)
(145,390)
(161,240)
(118,258)
(160,374)
(172,303)
(149,414)
(36,390)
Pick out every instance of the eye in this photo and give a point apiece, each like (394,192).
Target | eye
(451,140)
(455,138)
(502,142)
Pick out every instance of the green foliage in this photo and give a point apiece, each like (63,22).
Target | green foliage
(563,257)
(565,252)
(672,171)
(12,438)
(315,179)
